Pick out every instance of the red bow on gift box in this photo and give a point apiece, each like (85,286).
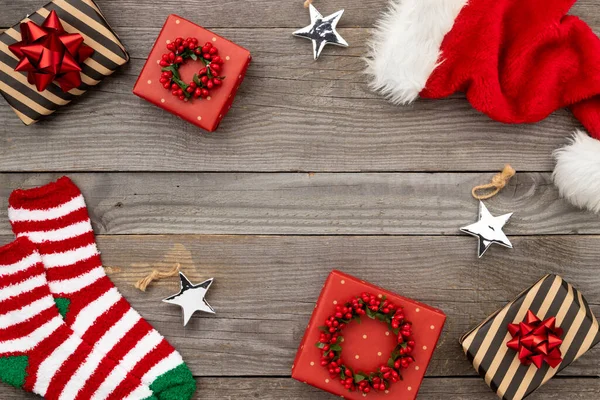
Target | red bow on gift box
(48,53)
(536,341)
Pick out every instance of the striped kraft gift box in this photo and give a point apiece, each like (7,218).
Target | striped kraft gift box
(523,345)
(76,16)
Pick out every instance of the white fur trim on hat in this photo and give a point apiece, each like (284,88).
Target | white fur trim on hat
(405,48)
(577,172)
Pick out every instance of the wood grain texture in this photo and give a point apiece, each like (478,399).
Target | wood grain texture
(432,389)
(300,203)
(308,151)
(291,114)
(266,287)
(242,13)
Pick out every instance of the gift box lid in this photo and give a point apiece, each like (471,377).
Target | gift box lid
(204,113)
(370,341)
(501,367)
(77,16)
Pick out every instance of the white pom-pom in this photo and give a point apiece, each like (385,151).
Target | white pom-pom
(577,172)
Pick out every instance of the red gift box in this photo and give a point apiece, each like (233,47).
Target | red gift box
(205,113)
(367,345)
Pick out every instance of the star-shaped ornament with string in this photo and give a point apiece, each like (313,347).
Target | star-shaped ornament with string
(488,230)
(191,298)
(322,31)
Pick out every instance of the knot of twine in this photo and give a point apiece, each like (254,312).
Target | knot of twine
(143,284)
(307,3)
(498,183)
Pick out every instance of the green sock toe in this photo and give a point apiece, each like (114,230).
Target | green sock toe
(13,370)
(181,392)
(176,384)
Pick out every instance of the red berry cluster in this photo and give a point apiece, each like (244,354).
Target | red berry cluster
(331,337)
(204,81)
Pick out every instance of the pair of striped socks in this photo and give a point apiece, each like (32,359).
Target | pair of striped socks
(66,332)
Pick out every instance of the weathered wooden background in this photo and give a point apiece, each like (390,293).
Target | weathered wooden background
(309,172)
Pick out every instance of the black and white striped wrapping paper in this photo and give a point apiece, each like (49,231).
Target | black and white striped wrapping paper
(77,16)
(500,367)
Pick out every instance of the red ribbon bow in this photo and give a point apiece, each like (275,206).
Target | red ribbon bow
(536,341)
(48,53)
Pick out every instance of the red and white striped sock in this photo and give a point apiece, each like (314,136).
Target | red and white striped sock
(55,218)
(38,351)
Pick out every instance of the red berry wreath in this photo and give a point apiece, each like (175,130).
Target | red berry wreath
(204,81)
(331,337)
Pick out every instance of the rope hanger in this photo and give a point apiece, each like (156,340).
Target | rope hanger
(497,184)
(143,284)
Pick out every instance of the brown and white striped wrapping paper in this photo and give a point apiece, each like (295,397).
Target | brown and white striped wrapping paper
(77,16)
(485,346)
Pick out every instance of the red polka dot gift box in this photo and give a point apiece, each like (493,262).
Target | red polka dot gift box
(193,73)
(366,342)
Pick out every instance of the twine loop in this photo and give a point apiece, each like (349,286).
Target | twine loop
(498,183)
(143,284)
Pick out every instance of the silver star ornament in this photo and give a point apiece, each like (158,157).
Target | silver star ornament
(322,31)
(191,298)
(488,230)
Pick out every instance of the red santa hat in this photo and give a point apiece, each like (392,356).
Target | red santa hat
(517,61)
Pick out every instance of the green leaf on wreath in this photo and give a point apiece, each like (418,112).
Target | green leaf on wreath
(370,313)
(197,80)
(171,68)
(194,57)
(357,319)
(320,345)
(390,362)
(324,329)
(342,375)
(359,378)
(396,331)
(336,347)
(176,73)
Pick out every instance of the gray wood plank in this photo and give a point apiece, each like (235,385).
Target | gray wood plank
(241,13)
(299,203)
(291,115)
(432,389)
(296,115)
(266,286)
